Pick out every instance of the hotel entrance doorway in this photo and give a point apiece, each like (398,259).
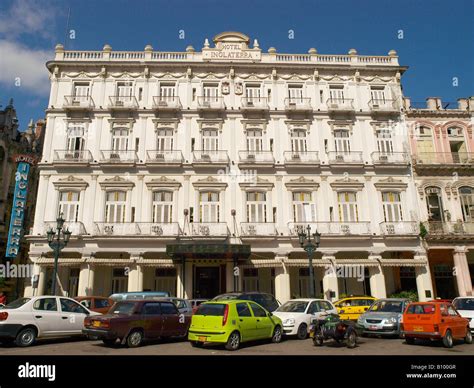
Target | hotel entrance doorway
(207,282)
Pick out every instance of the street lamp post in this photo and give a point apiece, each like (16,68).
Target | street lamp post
(310,242)
(57,241)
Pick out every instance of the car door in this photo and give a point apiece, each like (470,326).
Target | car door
(313,311)
(457,324)
(153,320)
(348,309)
(46,316)
(263,322)
(172,325)
(72,316)
(247,323)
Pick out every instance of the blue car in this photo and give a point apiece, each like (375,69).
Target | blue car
(139,295)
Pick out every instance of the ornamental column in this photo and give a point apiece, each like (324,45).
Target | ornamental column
(282,280)
(86,278)
(424,283)
(377,278)
(135,276)
(330,281)
(461,271)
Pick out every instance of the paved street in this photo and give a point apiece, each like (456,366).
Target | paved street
(367,346)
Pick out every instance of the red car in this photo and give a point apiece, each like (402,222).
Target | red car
(132,322)
(434,321)
(99,304)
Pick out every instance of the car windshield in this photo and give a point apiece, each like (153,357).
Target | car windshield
(125,308)
(464,304)
(293,307)
(213,309)
(17,303)
(387,306)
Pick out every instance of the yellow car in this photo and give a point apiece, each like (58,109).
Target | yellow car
(353,306)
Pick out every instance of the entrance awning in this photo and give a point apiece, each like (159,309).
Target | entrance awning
(208,250)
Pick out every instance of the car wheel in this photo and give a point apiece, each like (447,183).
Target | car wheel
(233,342)
(277,335)
(302,332)
(135,339)
(410,340)
(197,344)
(351,341)
(26,337)
(318,341)
(109,342)
(468,337)
(448,339)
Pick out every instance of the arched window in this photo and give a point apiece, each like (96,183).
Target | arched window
(162,206)
(256,206)
(434,204)
(304,210)
(115,206)
(392,206)
(69,205)
(209,206)
(466,195)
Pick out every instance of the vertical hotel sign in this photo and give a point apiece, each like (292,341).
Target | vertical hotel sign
(24,162)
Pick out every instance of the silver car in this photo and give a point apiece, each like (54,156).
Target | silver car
(184,306)
(383,317)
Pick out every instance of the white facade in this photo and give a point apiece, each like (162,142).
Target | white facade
(227,145)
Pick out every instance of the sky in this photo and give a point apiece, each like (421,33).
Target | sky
(434,38)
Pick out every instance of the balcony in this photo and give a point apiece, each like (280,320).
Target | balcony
(301,158)
(340,105)
(254,104)
(459,230)
(210,158)
(427,163)
(350,158)
(166,103)
(72,158)
(164,158)
(399,228)
(209,229)
(205,103)
(159,229)
(390,159)
(144,229)
(298,104)
(258,229)
(123,103)
(118,157)
(383,106)
(75,227)
(331,228)
(78,103)
(252,159)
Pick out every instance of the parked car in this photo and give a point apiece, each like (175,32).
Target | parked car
(139,295)
(2,305)
(99,304)
(383,317)
(232,322)
(435,321)
(184,306)
(27,319)
(134,321)
(296,315)
(352,307)
(266,300)
(465,307)
(196,303)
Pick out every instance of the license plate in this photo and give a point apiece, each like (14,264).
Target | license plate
(373,327)
(202,339)
(417,328)
(96,323)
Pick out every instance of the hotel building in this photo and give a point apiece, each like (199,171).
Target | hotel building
(193,172)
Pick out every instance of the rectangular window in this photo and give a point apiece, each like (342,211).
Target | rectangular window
(210,140)
(384,141)
(211,92)
(120,139)
(342,141)
(254,140)
(304,210)
(295,94)
(348,210)
(162,207)
(75,138)
(165,139)
(256,207)
(250,280)
(298,141)
(336,93)
(165,280)
(115,207)
(377,93)
(81,91)
(253,93)
(392,207)
(119,281)
(69,205)
(167,91)
(209,207)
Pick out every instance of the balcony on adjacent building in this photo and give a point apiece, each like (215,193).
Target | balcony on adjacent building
(258,229)
(349,158)
(206,103)
(400,228)
(118,157)
(164,158)
(76,228)
(332,228)
(298,104)
(458,230)
(340,105)
(78,103)
(166,103)
(72,158)
(427,163)
(301,158)
(251,159)
(123,103)
(383,106)
(387,159)
(207,229)
(210,158)
(254,104)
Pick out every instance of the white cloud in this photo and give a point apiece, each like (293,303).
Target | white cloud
(18,62)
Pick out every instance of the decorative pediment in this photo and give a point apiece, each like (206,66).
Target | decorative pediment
(166,123)
(254,123)
(71,182)
(302,183)
(210,123)
(210,183)
(117,183)
(121,123)
(294,125)
(347,183)
(390,184)
(257,183)
(163,183)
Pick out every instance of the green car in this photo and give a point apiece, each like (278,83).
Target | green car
(231,322)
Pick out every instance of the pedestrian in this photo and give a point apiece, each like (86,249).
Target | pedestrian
(3,298)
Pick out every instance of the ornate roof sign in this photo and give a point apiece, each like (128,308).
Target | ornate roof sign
(231,46)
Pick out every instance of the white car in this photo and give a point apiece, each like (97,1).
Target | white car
(26,319)
(296,315)
(465,307)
